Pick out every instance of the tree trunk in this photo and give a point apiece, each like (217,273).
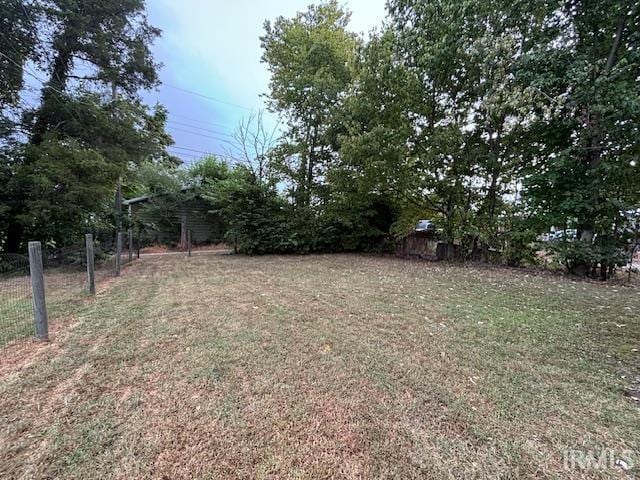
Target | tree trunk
(15,233)
(54,88)
(310,166)
(593,151)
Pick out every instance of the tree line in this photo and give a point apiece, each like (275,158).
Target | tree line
(72,122)
(498,120)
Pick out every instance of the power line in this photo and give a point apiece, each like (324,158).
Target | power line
(201,128)
(201,122)
(28,71)
(214,99)
(221,155)
(191,150)
(200,134)
(208,97)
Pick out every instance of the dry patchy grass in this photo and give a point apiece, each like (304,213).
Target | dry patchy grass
(336,366)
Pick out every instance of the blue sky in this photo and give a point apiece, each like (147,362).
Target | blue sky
(212,48)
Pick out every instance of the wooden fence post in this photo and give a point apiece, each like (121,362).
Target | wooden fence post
(183,230)
(130,245)
(91,279)
(41,320)
(118,252)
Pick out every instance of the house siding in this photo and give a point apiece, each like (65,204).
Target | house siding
(164,227)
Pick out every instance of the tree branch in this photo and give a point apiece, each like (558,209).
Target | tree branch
(617,40)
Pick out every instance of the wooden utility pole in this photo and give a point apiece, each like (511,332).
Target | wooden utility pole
(118,197)
(118,209)
(130,235)
(183,229)
(130,247)
(118,253)
(118,204)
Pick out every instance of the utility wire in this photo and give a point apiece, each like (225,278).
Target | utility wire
(191,150)
(214,99)
(200,122)
(202,152)
(200,128)
(29,72)
(42,82)
(197,134)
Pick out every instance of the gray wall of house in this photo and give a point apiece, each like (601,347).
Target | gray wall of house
(164,227)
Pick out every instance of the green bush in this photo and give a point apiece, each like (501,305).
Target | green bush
(585,258)
(256,217)
(260,221)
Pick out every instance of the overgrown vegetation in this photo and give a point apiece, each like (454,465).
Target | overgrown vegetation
(61,157)
(498,123)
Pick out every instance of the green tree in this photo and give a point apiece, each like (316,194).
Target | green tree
(311,60)
(90,127)
(584,173)
(258,220)
(434,116)
(17,46)
(110,40)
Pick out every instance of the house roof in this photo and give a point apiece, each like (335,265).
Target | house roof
(133,201)
(149,196)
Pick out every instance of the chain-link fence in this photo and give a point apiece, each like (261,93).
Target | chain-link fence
(16,307)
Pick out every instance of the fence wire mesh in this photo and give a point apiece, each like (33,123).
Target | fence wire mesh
(65,274)
(16,304)
(65,279)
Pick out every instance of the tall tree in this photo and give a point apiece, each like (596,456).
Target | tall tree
(108,39)
(90,126)
(18,40)
(585,65)
(311,61)
(442,104)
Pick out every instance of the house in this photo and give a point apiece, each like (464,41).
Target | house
(166,218)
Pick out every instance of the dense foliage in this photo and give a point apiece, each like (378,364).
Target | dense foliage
(62,156)
(498,120)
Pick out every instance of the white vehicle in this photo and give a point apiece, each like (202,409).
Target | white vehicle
(569,234)
(425,226)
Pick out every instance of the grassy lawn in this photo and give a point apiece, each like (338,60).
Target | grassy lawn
(325,366)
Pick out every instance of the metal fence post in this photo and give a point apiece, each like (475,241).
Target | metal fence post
(130,245)
(91,279)
(118,252)
(189,241)
(41,321)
